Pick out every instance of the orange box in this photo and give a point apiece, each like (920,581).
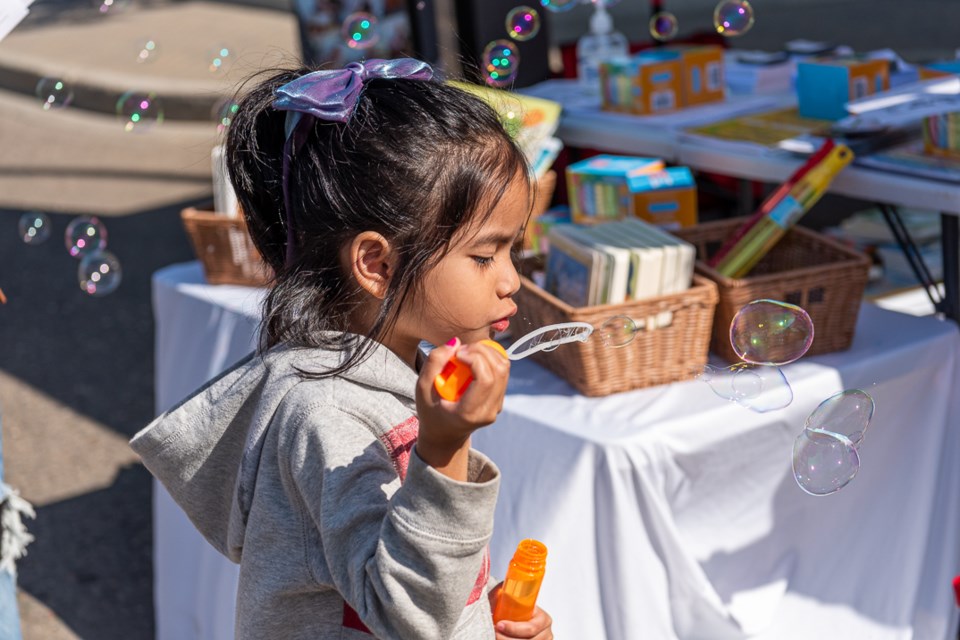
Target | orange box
(702,73)
(667,198)
(646,83)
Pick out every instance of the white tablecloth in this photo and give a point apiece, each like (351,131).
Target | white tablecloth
(668,513)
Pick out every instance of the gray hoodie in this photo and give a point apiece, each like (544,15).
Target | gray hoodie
(315,488)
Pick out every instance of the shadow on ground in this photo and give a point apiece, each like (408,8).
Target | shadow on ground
(92,561)
(94,355)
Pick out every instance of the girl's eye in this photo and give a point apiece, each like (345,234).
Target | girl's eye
(483,261)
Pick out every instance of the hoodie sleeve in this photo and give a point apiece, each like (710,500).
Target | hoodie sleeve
(405,556)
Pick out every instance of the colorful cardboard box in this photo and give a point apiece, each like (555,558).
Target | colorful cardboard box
(824,86)
(667,198)
(942,69)
(606,188)
(702,73)
(649,82)
(941,134)
(597,187)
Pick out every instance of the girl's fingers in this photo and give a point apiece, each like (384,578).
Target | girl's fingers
(434,364)
(537,628)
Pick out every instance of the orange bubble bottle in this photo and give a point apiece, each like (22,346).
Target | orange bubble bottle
(518,596)
(456,376)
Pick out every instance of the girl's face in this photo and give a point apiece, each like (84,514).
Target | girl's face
(469,293)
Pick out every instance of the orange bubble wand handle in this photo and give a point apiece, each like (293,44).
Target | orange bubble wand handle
(456,376)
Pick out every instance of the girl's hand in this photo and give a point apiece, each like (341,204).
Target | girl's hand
(539,627)
(445,426)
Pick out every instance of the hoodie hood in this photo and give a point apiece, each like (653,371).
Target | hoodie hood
(206,451)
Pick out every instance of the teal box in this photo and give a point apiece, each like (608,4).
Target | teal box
(825,86)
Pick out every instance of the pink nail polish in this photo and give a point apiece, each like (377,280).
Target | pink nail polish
(452,343)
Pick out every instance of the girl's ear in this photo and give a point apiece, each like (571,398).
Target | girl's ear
(372,262)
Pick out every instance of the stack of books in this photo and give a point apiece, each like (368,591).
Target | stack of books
(613,262)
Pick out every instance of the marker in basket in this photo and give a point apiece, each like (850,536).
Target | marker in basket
(518,596)
(456,376)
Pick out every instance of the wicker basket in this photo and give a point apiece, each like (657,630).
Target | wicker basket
(223,246)
(671,349)
(546,185)
(805,268)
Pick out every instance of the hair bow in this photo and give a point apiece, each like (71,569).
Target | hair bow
(331,95)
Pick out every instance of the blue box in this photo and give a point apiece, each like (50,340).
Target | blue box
(825,86)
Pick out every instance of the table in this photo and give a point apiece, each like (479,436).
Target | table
(584,124)
(668,513)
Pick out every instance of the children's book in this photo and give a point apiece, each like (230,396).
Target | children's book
(618,261)
(646,262)
(573,272)
(652,256)
(687,255)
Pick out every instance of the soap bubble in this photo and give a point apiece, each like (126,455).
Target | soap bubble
(824,462)
(224,111)
(664,25)
(558,6)
(99,273)
(219,57)
(139,111)
(847,413)
(618,331)
(733,17)
(759,388)
(360,30)
(54,93)
(500,62)
(111,6)
(523,23)
(826,454)
(34,227)
(146,50)
(771,332)
(85,235)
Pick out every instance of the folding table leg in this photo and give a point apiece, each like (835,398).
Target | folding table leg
(950,238)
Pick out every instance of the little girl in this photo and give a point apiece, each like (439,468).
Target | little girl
(387,205)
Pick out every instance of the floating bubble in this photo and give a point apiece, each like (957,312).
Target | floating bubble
(733,17)
(139,111)
(146,50)
(824,462)
(85,235)
(219,57)
(523,23)
(664,25)
(54,93)
(771,332)
(224,112)
(99,273)
(360,30)
(34,227)
(501,59)
(618,331)
(558,6)
(759,388)
(847,414)
(111,6)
